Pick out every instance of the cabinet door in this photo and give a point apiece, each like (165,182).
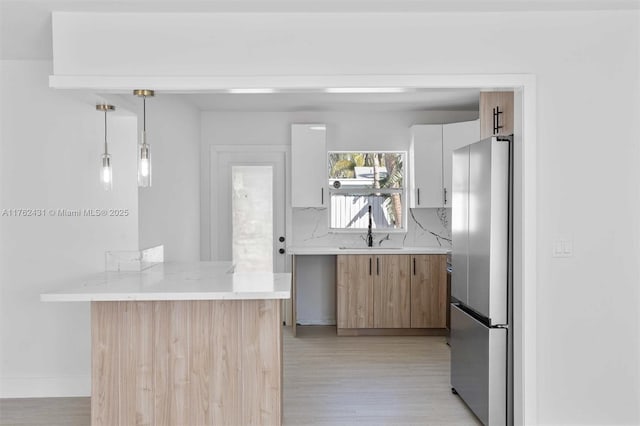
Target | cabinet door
(488,124)
(454,136)
(355,291)
(391,292)
(309,176)
(429,291)
(425,159)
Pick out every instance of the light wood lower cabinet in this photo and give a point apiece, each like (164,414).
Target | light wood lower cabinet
(391,294)
(429,291)
(391,288)
(355,291)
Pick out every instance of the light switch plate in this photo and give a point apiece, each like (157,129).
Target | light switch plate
(563,248)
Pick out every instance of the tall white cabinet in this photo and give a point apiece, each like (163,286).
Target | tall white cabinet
(425,154)
(309,177)
(431,150)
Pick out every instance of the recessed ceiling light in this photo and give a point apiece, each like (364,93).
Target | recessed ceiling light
(365,90)
(258,90)
(318,127)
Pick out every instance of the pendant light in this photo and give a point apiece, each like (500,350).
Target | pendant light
(144,152)
(106,173)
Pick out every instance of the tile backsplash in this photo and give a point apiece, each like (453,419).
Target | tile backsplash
(426,228)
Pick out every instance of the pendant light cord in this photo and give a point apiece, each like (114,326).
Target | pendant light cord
(144,114)
(105,132)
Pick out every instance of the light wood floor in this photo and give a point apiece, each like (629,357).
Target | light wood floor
(328,380)
(368,380)
(45,411)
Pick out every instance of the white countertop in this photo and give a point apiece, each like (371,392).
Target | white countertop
(366,250)
(177,281)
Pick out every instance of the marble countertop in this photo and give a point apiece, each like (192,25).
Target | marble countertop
(366,250)
(177,281)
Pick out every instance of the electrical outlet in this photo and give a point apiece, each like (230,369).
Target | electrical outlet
(563,248)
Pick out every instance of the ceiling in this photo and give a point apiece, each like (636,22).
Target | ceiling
(418,100)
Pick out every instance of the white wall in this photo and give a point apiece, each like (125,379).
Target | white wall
(170,208)
(51,145)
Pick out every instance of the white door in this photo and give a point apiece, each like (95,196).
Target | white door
(248,209)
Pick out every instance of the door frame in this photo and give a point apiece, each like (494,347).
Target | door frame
(525,203)
(213,194)
(215,152)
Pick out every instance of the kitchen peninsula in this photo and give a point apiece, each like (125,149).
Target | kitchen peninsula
(184,343)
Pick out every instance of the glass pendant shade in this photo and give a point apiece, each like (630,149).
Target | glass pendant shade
(106,172)
(144,150)
(144,161)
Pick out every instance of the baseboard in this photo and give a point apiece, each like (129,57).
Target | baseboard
(325,321)
(40,387)
(392,332)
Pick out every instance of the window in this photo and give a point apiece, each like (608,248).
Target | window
(252,216)
(359,180)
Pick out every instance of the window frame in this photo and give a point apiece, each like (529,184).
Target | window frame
(369,191)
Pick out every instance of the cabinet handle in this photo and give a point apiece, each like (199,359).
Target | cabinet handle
(369,266)
(322,196)
(418,191)
(496,120)
(377,266)
(444,191)
(414,266)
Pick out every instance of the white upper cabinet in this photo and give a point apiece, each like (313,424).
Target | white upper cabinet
(454,136)
(431,150)
(308,165)
(425,157)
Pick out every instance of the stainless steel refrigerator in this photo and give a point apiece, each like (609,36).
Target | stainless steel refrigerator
(481,282)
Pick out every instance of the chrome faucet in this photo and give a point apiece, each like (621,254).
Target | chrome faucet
(369,234)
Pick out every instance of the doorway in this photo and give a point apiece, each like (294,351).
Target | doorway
(525,278)
(248,208)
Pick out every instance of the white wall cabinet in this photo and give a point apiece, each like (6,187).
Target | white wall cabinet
(309,176)
(425,158)
(454,136)
(431,151)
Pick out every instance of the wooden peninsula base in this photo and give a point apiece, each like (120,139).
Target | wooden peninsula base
(186,362)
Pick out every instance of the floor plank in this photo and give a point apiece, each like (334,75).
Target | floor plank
(328,380)
(45,411)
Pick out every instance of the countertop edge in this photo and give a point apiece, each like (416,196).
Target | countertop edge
(150,297)
(176,281)
(335,250)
